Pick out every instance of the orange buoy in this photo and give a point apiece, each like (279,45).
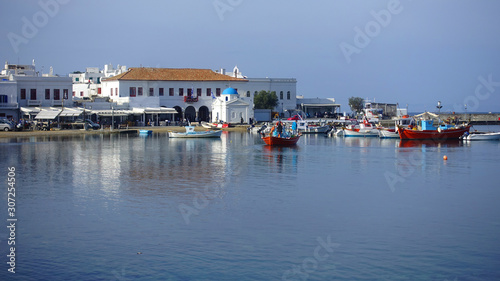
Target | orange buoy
(445,157)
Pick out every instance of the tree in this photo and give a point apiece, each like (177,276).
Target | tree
(265,100)
(356,104)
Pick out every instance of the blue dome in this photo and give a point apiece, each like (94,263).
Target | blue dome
(230,91)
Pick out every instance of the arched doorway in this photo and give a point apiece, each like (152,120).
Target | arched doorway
(204,114)
(178,116)
(190,113)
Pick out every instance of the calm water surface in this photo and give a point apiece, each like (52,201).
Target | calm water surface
(234,209)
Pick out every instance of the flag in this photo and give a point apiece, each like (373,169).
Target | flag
(213,97)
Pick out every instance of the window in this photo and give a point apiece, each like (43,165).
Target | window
(151,92)
(139,91)
(116,92)
(74,93)
(209,92)
(160,92)
(248,94)
(47,94)
(81,93)
(181,91)
(190,92)
(111,92)
(57,94)
(77,79)
(65,93)
(281,95)
(4,99)
(198,92)
(217,92)
(288,95)
(132,91)
(99,91)
(23,94)
(33,94)
(171,92)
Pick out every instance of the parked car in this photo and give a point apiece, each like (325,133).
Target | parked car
(6,125)
(88,124)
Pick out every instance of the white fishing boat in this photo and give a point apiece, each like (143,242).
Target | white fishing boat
(364,129)
(472,136)
(191,133)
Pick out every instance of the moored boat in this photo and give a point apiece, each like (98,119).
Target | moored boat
(280,136)
(364,129)
(191,133)
(279,141)
(427,131)
(473,136)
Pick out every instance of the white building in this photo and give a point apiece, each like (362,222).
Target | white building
(22,89)
(192,91)
(88,84)
(230,108)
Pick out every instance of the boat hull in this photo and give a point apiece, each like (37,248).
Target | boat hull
(449,134)
(276,141)
(388,134)
(363,133)
(194,135)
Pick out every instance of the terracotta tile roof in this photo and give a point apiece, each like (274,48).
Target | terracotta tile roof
(172,74)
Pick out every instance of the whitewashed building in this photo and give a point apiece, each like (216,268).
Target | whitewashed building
(192,91)
(88,84)
(230,108)
(23,91)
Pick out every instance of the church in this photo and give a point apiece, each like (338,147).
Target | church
(230,108)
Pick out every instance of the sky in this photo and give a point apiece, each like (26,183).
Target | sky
(414,53)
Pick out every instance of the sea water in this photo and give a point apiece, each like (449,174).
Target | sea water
(152,208)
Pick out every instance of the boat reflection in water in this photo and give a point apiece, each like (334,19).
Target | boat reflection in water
(281,159)
(429,143)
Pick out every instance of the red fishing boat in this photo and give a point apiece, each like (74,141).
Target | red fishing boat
(280,136)
(429,132)
(270,140)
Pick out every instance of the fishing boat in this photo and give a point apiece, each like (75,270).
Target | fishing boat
(279,141)
(473,136)
(279,136)
(364,129)
(190,133)
(426,131)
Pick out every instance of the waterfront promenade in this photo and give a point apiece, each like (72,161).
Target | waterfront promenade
(131,130)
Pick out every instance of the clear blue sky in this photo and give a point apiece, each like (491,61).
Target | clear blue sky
(406,52)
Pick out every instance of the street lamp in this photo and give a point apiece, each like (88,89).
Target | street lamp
(439,106)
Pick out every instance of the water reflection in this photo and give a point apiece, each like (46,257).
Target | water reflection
(429,143)
(281,159)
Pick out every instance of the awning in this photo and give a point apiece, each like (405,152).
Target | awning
(70,112)
(320,104)
(160,110)
(30,110)
(111,112)
(48,114)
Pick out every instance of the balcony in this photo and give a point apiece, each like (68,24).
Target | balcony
(190,99)
(34,102)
